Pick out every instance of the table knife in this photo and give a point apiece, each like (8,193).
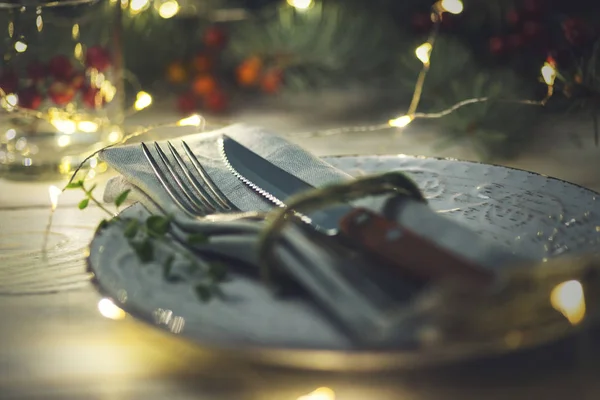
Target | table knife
(401,248)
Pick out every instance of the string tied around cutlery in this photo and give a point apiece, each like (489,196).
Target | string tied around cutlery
(395,182)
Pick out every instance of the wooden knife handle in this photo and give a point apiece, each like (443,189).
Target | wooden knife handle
(412,254)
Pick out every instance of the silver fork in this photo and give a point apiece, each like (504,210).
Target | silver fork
(191,189)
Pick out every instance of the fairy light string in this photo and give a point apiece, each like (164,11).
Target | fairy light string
(65,122)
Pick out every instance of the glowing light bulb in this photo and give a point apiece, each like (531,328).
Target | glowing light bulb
(137,6)
(39,23)
(114,136)
(323,393)
(66,126)
(548,73)
(401,122)
(75,31)
(54,193)
(452,6)
(423,52)
(142,100)
(20,46)
(193,120)
(109,310)
(168,9)
(568,298)
(300,4)
(10,101)
(87,126)
(63,141)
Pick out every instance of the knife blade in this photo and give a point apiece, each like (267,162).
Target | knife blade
(397,246)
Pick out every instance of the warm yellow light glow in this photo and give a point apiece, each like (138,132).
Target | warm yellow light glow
(109,310)
(452,6)
(568,298)
(549,74)
(401,122)
(138,5)
(20,46)
(142,100)
(108,90)
(39,23)
(63,141)
(114,136)
(54,193)
(78,51)
(75,31)
(322,393)
(300,4)
(168,9)
(65,126)
(87,126)
(65,166)
(192,120)
(423,52)
(10,101)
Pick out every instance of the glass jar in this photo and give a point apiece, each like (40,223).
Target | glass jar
(61,89)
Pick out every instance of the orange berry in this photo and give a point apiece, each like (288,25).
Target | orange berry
(204,85)
(176,73)
(253,62)
(271,81)
(202,63)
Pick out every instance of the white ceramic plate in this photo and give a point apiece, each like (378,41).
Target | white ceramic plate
(533,215)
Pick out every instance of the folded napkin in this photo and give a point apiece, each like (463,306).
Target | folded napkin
(362,302)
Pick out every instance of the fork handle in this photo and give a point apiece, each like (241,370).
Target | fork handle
(410,253)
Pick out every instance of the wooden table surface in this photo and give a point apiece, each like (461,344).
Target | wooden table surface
(54,344)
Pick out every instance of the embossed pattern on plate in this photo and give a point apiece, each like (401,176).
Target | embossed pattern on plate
(528,213)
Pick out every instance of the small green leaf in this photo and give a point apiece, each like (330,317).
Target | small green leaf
(75,185)
(197,238)
(158,225)
(83,204)
(103,224)
(144,250)
(132,228)
(218,271)
(167,271)
(122,197)
(203,293)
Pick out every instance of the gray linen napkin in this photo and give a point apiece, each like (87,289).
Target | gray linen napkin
(137,174)
(135,170)
(356,301)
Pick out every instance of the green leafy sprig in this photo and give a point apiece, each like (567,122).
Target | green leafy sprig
(143,235)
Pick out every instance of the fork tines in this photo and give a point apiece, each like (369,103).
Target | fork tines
(191,189)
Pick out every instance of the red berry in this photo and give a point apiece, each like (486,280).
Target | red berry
(532,6)
(215,37)
(187,103)
(36,71)
(77,81)
(532,29)
(60,67)
(497,45)
(30,98)
(92,97)
(516,41)
(61,93)
(421,22)
(98,58)
(576,30)
(271,81)
(9,81)
(216,101)
(513,17)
